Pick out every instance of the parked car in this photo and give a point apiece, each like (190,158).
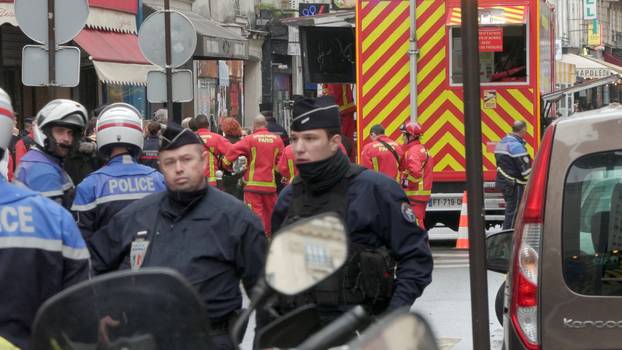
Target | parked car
(564,273)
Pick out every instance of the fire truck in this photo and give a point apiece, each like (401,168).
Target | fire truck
(516,42)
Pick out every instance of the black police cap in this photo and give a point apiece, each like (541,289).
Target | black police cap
(315,113)
(174,136)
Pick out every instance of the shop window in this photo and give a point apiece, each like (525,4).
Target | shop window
(133,95)
(502,60)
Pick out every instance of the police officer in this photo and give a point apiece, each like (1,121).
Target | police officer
(417,167)
(207,235)
(149,156)
(41,249)
(379,220)
(513,169)
(56,130)
(122,181)
(382,154)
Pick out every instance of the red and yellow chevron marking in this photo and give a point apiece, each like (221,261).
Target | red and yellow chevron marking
(383,84)
(382,65)
(498,15)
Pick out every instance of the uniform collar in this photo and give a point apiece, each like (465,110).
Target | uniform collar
(122,159)
(384,138)
(260,130)
(518,138)
(204,130)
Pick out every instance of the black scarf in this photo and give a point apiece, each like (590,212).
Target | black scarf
(181,202)
(322,175)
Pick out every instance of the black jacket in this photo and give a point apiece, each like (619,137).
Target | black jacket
(215,244)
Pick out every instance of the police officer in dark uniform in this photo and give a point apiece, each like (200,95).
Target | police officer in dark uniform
(207,235)
(41,249)
(106,191)
(513,169)
(149,155)
(381,225)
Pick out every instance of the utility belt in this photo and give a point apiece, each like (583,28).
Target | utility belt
(367,279)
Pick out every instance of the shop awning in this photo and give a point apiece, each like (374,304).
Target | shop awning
(116,56)
(7,13)
(491,15)
(588,84)
(215,41)
(587,68)
(344,18)
(565,73)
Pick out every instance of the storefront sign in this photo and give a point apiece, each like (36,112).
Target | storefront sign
(589,9)
(312,9)
(594,31)
(491,39)
(591,73)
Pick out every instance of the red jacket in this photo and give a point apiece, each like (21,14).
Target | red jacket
(377,156)
(417,166)
(263,150)
(217,146)
(286,166)
(21,149)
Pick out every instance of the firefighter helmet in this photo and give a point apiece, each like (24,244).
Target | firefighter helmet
(412,128)
(120,124)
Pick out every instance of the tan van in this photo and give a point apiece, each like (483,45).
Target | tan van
(564,257)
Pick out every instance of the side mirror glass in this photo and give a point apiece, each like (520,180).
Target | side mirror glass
(398,331)
(499,251)
(305,253)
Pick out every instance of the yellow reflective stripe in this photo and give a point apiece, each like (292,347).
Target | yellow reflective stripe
(414,179)
(290,166)
(226,162)
(419,193)
(212,160)
(260,184)
(251,170)
(374,161)
(510,177)
(275,161)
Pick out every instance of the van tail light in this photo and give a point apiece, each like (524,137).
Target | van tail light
(527,240)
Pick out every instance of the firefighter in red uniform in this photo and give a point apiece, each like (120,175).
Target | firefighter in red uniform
(286,166)
(416,168)
(216,145)
(383,154)
(263,150)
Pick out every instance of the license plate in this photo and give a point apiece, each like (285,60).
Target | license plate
(445,203)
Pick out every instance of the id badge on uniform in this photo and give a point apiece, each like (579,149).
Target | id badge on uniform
(138,251)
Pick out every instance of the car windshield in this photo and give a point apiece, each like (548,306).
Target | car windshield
(592,225)
(134,311)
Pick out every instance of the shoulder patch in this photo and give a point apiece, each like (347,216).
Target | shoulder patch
(407,213)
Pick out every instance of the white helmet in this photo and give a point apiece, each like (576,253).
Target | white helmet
(60,112)
(7,119)
(120,124)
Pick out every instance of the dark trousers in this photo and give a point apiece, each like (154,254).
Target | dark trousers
(512,194)
(221,342)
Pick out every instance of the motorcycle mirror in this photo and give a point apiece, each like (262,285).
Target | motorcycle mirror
(305,253)
(400,330)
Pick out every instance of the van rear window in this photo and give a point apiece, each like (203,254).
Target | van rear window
(592,225)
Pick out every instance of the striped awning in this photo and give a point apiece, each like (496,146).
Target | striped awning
(565,73)
(491,15)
